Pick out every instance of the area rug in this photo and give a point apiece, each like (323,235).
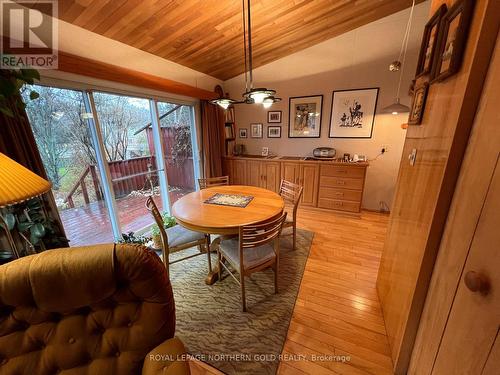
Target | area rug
(213,327)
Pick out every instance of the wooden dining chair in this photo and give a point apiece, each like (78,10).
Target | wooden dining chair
(213,181)
(291,194)
(256,249)
(178,238)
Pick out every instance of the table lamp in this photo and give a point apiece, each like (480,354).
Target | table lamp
(17,184)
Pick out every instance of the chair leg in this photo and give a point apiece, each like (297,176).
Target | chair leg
(243,297)
(294,235)
(275,269)
(219,265)
(207,244)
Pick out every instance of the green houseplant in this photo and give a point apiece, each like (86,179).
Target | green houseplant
(168,221)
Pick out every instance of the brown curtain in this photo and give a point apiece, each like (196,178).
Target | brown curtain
(212,128)
(18,143)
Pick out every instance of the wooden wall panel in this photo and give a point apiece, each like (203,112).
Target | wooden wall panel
(424,191)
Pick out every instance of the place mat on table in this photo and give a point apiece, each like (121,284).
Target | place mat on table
(233,200)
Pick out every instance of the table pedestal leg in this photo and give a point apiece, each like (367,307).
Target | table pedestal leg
(213,275)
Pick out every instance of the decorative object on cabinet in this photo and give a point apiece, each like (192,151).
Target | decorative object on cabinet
(430,43)
(304,117)
(274,132)
(256,130)
(274,117)
(265,151)
(243,133)
(455,29)
(353,113)
(418,105)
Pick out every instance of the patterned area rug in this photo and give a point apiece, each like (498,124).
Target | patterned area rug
(210,321)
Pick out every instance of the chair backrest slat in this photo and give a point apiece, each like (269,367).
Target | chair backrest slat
(291,194)
(213,181)
(151,206)
(259,234)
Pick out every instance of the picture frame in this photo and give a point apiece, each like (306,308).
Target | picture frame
(455,28)
(431,41)
(243,133)
(256,130)
(353,113)
(418,105)
(304,116)
(274,132)
(274,117)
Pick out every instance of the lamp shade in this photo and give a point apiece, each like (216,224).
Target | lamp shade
(396,108)
(18,183)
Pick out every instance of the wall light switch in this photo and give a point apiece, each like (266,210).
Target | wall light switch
(413,157)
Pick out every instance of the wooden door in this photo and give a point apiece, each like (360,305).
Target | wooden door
(309,177)
(290,172)
(473,327)
(239,172)
(271,175)
(254,173)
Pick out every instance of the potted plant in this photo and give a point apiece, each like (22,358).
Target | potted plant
(168,221)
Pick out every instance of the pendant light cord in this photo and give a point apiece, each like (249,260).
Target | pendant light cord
(404,47)
(245,44)
(250,68)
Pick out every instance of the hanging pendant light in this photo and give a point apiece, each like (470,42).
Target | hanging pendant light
(260,95)
(398,66)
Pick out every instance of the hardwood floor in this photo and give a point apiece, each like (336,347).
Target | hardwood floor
(337,310)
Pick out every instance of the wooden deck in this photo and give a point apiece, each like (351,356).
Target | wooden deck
(91,225)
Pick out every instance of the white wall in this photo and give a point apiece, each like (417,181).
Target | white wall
(357,59)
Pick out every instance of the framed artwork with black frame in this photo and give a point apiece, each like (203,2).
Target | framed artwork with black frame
(418,105)
(274,132)
(353,113)
(274,117)
(455,28)
(256,130)
(430,42)
(304,116)
(243,133)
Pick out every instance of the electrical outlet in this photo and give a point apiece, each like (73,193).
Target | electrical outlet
(384,149)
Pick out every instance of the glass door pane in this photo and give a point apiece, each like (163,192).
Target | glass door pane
(125,125)
(65,144)
(177,131)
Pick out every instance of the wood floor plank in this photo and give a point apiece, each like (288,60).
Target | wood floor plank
(337,310)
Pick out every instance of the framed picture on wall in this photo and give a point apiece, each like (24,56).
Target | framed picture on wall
(304,117)
(274,132)
(243,133)
(353,113)
(430,42)
(256,130)
(455,29)
(418,105)
(274,117)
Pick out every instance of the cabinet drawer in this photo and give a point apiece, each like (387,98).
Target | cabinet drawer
(343,183)
(339,205)
(342,171)
(342,194)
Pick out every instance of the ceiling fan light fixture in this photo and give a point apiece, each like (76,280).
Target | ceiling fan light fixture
(223,102)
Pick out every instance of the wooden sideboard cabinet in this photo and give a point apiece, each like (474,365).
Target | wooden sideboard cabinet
(330,185)
(341,186)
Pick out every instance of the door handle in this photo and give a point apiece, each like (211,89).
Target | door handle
(477,282)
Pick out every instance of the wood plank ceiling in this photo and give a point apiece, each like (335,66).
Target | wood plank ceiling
(206,35)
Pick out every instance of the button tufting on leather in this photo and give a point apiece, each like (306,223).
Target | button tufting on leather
(117,354)
(129,324)
(4,361)
(71,340)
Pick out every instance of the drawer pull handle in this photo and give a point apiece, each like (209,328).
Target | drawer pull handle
(339,194)
(342,171)
(339,203)
(340,182)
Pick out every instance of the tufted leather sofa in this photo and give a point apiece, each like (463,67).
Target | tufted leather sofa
(105,309)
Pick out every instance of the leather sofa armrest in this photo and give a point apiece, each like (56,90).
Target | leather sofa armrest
(168,358)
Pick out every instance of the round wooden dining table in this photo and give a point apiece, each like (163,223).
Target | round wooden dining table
(192,211)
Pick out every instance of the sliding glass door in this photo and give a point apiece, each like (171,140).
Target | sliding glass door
(60,125)
(106,153)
